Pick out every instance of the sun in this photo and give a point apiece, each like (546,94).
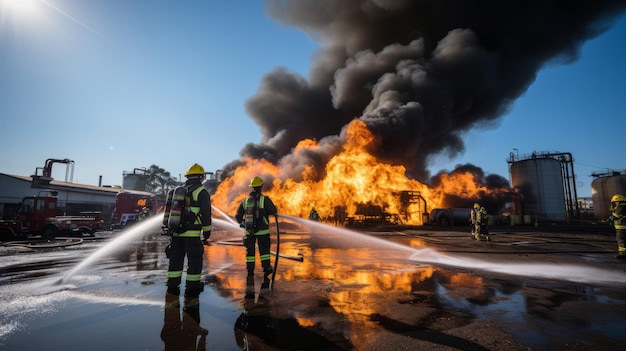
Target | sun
(21,8)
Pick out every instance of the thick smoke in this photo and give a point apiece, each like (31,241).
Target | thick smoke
(419,73)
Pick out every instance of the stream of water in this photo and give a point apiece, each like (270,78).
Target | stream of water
(342,237)
(564,272)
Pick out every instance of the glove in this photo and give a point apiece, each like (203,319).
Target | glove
(610,220)
(168,250)
(206,235)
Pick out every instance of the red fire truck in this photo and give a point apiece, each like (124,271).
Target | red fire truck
(129,204)
(37,215)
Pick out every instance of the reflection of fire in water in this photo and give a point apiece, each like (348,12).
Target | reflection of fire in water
(349,284)
(352,180)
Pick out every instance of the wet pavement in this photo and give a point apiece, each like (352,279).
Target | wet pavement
(397,288)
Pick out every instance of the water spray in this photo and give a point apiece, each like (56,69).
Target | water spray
(227,217)
(136,230)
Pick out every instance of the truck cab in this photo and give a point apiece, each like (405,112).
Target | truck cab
(37,215)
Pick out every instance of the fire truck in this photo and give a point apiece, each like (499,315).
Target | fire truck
(128,206)
(37,215)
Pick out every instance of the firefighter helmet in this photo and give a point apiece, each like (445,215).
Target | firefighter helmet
(256,181)
(196,169)
(476,206)
(618,198)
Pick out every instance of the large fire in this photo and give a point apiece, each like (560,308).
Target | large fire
(352,180)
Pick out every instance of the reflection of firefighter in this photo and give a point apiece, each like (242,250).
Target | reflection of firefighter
(313,215)
(618,220)
(254,328)
(258,327)
(182,333)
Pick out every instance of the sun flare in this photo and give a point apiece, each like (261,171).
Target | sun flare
(20,9)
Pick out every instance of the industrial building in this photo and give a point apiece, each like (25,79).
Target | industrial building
(603,187)
(546,182)
(72,198)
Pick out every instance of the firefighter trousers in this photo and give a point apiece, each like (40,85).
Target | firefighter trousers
(194,250)
(620,236)
(264,252)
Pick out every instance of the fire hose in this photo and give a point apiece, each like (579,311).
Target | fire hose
(44,244)
(277,252)
(237,242)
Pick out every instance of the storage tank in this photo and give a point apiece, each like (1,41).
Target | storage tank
(541,182)
(602,189)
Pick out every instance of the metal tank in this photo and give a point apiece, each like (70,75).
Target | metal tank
(540,180)
(602,189)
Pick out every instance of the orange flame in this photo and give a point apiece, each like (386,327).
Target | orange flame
(353,180)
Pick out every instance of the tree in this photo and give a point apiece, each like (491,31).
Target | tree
(159,181)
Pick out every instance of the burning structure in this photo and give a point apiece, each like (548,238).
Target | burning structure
(395,84)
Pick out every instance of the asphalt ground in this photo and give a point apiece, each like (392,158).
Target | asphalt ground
(377,288)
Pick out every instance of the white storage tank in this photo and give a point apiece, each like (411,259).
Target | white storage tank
(603,189)
(541,182)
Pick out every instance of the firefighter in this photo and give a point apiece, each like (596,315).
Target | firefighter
(264,207)
(474,220)
(190,243)
(618,220)
(482,219)
(145,213)
(313,215)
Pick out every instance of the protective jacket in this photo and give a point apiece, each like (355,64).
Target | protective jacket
(266,209)
(618,214)
(200,206)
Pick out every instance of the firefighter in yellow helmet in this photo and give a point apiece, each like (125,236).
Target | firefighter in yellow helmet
(482,219)
(618,220)
(253,215)
(190,242)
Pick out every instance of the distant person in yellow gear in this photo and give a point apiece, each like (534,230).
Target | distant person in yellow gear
(618,220)
(482,219)
(313,215)
(253,215)
(145,213)
(474,219)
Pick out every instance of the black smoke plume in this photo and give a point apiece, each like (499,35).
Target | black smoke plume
(419,73)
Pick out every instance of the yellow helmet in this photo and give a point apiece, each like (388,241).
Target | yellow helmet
(196,169)
(476,206)
(256,181)
(618,198)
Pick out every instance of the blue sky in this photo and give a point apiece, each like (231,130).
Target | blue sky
(116,85)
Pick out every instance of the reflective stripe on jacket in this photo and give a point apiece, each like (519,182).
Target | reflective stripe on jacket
(202,220)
